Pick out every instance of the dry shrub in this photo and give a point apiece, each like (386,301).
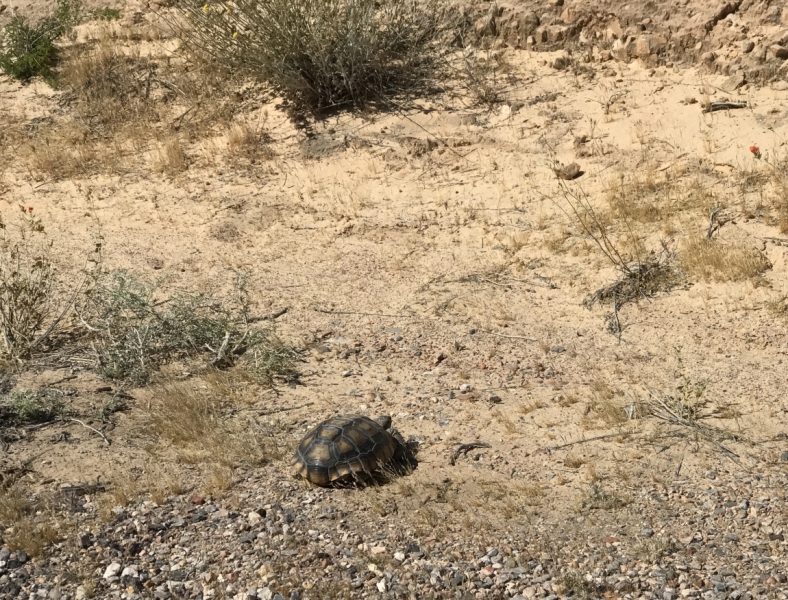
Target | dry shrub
(597,498)
(321,54)
(27,283)
(713,260)
(220,480)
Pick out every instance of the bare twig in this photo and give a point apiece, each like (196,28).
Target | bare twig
(351,312)
(508,337)
(285,409)
(724,105)
(86,426)
(465,448)
(584,441)
(271,317)
(712,227)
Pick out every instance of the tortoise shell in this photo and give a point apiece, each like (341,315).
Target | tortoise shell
(343,449)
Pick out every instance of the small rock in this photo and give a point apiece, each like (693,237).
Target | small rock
(557,349)
(130,571)
(708,57)
(465,388)
(112,570)
(399,556)
(779,52)
(495,400)
(747,46)
(560,63)
(265,593)
(381,585)
(253,518)
(197,499)
(734,82)
(646,532)
(784,456)
(85,540)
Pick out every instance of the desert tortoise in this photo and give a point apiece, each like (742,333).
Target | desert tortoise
(351,449)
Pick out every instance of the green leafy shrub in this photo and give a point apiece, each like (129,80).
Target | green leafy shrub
(323,54)
(27,407)
(28,50)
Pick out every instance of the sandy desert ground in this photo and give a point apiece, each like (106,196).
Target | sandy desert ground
(430,263)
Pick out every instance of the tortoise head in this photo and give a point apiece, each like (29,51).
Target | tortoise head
(384,421)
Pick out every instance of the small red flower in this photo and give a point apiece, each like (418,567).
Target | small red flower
(756,152)
(29,209)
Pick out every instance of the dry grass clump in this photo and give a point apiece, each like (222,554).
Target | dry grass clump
(170,157)
(713,260)
(109,89)
(249,142)
(26,523)
(322,54)
(196,420)
(598,498)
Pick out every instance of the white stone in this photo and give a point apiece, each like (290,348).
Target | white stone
(381,586)
(112,570)
(130,571)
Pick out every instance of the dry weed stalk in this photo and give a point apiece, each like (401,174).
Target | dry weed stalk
(643,273)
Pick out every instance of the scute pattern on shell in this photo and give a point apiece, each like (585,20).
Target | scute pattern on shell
(342,449)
